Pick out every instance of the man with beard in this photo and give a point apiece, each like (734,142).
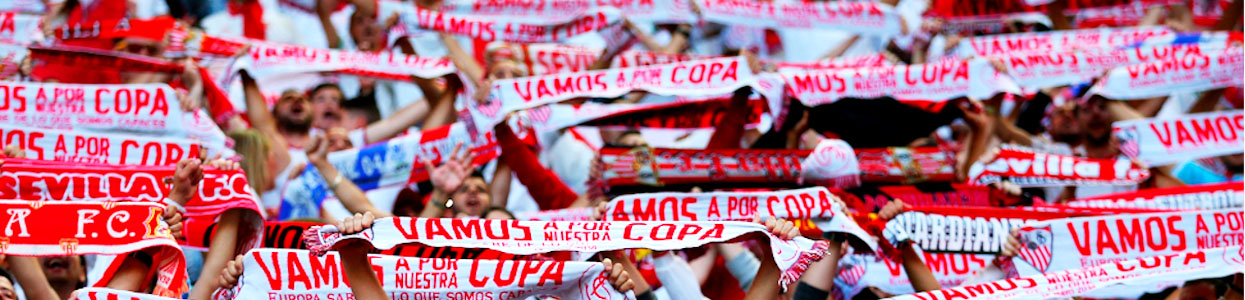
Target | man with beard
(286,130)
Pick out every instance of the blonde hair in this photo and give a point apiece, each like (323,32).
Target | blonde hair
(253,148)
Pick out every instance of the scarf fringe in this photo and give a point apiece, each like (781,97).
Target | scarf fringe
(806,258)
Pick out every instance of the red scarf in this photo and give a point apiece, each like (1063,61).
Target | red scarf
(252,17)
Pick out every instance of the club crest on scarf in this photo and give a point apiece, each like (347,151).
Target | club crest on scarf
(69,246)
(597,289)
(4,245)
(491,106)
(853,271)
(1035,245)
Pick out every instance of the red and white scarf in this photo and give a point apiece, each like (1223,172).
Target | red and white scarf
(653,11)
(855,61)
(23,6)
(703,114)
(1138,275)
(1193,136)
(34,180)
(926,85)
(550,58)
(1036,70)
(19,28)
(1189,197)
(95,293)
(832,163)
(271,59)
(75,57)
(98,148)
(1027,168)
(1060,40)
(1191,73)
(146,108)
(100,226)
(565,214)
(11,57)
(869,18)
(965,229)
(858,272)
(518,31)
(1065,244)
(906,165)
(873,199)
(533,237)
(813,203)
(694,78)
(153,29)
(276,234)
(297,274)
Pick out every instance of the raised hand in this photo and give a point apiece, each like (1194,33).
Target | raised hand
(450,174)
(231,273)
(186,180)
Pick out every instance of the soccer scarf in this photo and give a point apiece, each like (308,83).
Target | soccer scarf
(99,148)
(926,85)
(1191,73)
(1131,276)
(98,227)
(906,165)
(533,237)
(11,57)
(297,274)
(855,61)
(872,199)
(18,28)
(550,58)
(1072,243)
(860,271)
(813,203)
(152,29)
(831,163)
(981,230)
(394,162)
(1189,197)
(33,180)
(1168,141)
(703,114)
(23,6)
(145,108)
(70,56)
(1031,169)
(94,293)
(271,59)
(1036,70)
(1056,41)
(517,31)
(710,77)
(867,18)
(650,11)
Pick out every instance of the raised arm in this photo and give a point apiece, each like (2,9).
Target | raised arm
(350,195)
(463,61)
(256,109)
(324,10)
(358,270)
(765,286)
(396,123)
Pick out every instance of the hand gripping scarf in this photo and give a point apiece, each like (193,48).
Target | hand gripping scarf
(927,85)
(854,61)
(1168,141)
(1036,70)
(650,11)
(271,59)
(906,165)
(392,163)
(1191,73)
(832,162)
(146,108)
(1061,40)
(485,28)
(868,18)
(297,274)
(1031,169)
(100,148)
(710,77)
(94,293)
(1151,273)
(1189,197)
(533,237)
(98,227)
(813,204)
(1072,243)
(18,28)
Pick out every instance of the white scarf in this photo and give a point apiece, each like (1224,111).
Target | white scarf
(271,59)
(1060,40)
(858,271)
(1203,196)
(21,29)
(1160,142)
(1074,243)
(518,31)
(533,237)
(296,274)
(934,82)
(101,147)
(1036,70)
(652,11)
(869,18)
(1192,73)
